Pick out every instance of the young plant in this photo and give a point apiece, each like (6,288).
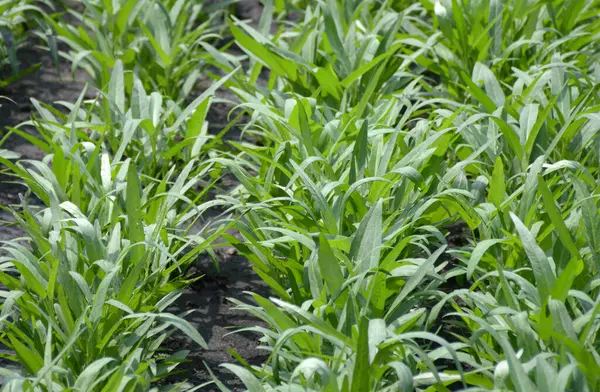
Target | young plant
(88,298)
(153,131)
(159,40)
(16,18)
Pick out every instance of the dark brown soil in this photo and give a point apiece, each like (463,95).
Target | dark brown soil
(214,316)
(46,85)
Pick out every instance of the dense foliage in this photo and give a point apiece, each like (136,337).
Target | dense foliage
(419,191)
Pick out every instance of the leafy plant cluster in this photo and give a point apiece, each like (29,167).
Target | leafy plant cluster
(382,128)
(160,41)
(112,226)
(17,17)
(420,194)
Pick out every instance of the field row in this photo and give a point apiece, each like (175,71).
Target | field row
(416,182)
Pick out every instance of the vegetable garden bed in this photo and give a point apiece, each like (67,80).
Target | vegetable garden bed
(299,195)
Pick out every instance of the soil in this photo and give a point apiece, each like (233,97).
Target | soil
(46,85)
(213,314)
(216,319)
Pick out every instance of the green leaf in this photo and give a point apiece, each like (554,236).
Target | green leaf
(591,218)
(162,55)
(366,245)
(251,383)
(557,220)
(497,186)
(329,266)
(416,279)
(542,269)
(492,86)
(360,374)
(89,375)
(116,87)
(329,81)
(532,135)
(485,101)
(566,278)
(478,252)
(124,15)
(348,80)
(333,30)
(184,326)
(134,215)
(32,360)
(100,297)
(527,120)
(196,122)
(278,64)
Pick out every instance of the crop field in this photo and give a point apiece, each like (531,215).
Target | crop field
(300,195)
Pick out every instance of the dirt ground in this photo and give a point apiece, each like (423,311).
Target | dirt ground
(45,85)
(213,315)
